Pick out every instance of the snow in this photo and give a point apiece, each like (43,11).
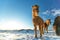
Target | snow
(28,36)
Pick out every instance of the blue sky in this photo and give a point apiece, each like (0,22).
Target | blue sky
(21,11)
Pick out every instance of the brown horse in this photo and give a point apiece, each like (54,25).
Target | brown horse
(46,24)
(37,21)
(56,25)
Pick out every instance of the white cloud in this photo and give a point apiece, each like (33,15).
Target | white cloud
(53,12)
(46,12)
(56,12)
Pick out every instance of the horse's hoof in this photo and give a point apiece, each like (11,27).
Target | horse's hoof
(40,36)
(47,32)
(35,36)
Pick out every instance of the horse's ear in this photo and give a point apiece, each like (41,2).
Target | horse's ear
(32,6)
(50,21)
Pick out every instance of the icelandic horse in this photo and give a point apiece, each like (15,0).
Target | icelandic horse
(56,25)
(46,24)
(37,21)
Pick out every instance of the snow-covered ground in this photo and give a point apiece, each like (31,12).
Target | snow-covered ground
(27,35)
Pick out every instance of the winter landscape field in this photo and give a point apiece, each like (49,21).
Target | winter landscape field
(26,35)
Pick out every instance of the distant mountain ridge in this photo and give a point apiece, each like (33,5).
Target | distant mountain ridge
(22,31)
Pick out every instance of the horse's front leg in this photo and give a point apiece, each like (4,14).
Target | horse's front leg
(35,29)
(47,29)
(41,30)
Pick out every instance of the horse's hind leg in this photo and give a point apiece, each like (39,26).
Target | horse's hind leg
(47,29)
(35,29)
(41,30)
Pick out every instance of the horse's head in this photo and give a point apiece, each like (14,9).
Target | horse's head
(35,10)
(48,21)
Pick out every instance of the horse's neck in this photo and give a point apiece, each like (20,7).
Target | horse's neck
(34,14)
